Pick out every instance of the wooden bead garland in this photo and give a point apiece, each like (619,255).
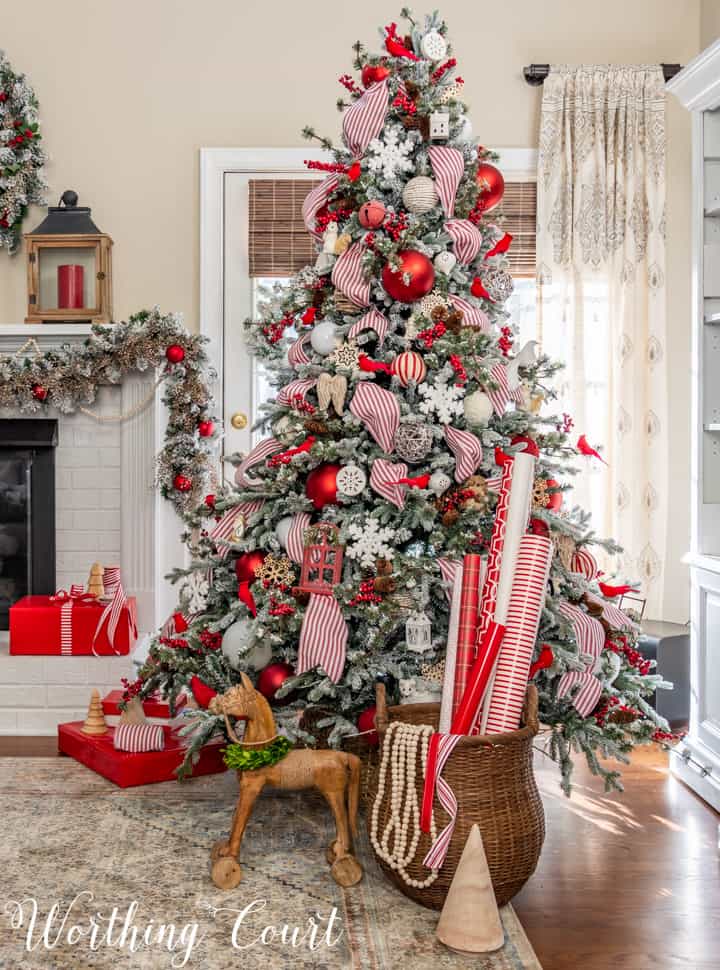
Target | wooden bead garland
(397,845)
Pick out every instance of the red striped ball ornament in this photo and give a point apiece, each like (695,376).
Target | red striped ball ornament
(584,563)
(409,366)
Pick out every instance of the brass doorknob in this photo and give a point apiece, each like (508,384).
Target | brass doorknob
(239,420)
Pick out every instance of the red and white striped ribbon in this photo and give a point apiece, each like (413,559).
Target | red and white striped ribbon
(587,697)
(261,451)
(500,395)
(449,568)
(584,563)
(323,637)
(523,618)
(372,320)
(296,352)
(139,737)
(438,850)
(296,536)
(110,578)
(294,389)
(315,200)
(466,237)
(384,477)
(494,560)
(448,165)
(590,638)
(379,410)
(223,530)
(364,119)
(467,450)
(77,589)
(473,316)
(112,615)
(66,628)
(613,615)
(348,277)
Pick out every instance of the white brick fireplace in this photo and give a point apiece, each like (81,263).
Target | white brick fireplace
(108,511)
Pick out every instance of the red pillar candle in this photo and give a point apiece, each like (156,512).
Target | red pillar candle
(71,287)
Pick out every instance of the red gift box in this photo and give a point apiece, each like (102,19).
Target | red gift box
(127,769)
(153,706)
(35,628)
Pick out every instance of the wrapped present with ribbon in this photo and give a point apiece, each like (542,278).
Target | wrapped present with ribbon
(74,623)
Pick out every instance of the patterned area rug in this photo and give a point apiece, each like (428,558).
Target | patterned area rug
(65,832)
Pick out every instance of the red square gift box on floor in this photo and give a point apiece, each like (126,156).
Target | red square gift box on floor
(53,626)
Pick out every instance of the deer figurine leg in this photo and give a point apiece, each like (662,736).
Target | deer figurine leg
(345,869)
(225,868)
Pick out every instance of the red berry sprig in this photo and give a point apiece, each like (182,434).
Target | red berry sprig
(324,166)
(405,103)
(297,403)
(348,83)
(395,225)
(323,220)
(619,645)
(366,594)
(567,423)
(280,609)
(460,372)
(443,69)
(210,640)
(432,334)
(506,340)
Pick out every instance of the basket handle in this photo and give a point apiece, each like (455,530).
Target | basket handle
(531,709)
(381,711)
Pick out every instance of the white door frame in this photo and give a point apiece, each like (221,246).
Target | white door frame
(518,164)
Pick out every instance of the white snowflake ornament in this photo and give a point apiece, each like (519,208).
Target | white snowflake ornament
(444,400)
(389,154)
(194,593)
(351,480)
(370,541)
(433,46)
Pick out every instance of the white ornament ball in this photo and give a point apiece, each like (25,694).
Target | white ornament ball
(282,530)
(324,338)
(351,480)
(477,407)
(433,46)
(420,195)
(235,641)
(439,483)
(445,262)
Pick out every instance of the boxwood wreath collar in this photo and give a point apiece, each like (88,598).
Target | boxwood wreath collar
(68,379)
(238,757)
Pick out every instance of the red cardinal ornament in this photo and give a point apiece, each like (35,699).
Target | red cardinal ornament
(201,692)
(246,566)
(421,277)
(366,722)
(543,661)
(491,184)
(478,290)
(500,247)
(586,449)
(419,481)
(354,172)
(538,527)
(210,501)
(270,680)
(284,457)
(371,366)
(180,623)
(175,354)
(308,318)
(394,45)
(610,592)
(372,73)
(321,485)
(501,458)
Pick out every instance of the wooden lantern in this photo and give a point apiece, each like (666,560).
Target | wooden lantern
(322,559)
(69,270)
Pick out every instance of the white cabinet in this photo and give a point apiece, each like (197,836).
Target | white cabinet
(697,759)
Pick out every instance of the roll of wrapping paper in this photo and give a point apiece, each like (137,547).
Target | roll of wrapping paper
(467,624)
(511,521)
(505,699)
(478,679)
(448,690)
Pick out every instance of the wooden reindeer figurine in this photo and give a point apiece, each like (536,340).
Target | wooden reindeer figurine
(335,773)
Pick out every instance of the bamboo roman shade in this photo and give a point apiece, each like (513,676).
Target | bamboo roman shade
(279,244)
(519,207)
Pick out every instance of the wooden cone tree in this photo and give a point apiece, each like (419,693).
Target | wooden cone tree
(470,921)
(95,580)
(133,713)
(95,720)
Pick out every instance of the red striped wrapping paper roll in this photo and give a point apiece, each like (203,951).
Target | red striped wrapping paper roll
(139,737)
(467,624)
(526,603)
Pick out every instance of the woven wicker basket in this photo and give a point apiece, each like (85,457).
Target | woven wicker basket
(493,781)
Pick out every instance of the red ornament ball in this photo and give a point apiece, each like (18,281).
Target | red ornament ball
(372,73)
(555,499)
(206,429)
(371,214)
(201,692)
(321,485)
(491,184)
(409,366)
(270,680)
(210,501)
(39,392)
(182,483)
(538,527)
(175,354)
(247,564)
(366,722)
(420,274)
(529,446)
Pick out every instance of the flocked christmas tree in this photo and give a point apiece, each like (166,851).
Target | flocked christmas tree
(400,394)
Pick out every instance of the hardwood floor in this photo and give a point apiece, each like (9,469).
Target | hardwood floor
(625,882)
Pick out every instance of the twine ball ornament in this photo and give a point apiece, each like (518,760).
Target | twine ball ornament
(445,262)
(477,408)
(371,214)
(498,284)
(324,338)
(439,483)
(351,481)
(420,195)
(409,366)
(413,441)
(433,46)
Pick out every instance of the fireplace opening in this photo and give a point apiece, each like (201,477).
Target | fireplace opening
(27,510)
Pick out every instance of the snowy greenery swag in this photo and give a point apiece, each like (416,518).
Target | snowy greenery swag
(414,534)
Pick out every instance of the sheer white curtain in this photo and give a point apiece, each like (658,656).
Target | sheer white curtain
(601,277)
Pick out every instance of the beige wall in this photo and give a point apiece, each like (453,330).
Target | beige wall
(709,22)
(131,90)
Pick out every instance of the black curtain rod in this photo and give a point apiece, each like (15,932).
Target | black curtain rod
(535,74)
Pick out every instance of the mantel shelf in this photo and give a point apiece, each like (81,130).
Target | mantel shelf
(713,213)
(54,330)
(714,426)
(712,318)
